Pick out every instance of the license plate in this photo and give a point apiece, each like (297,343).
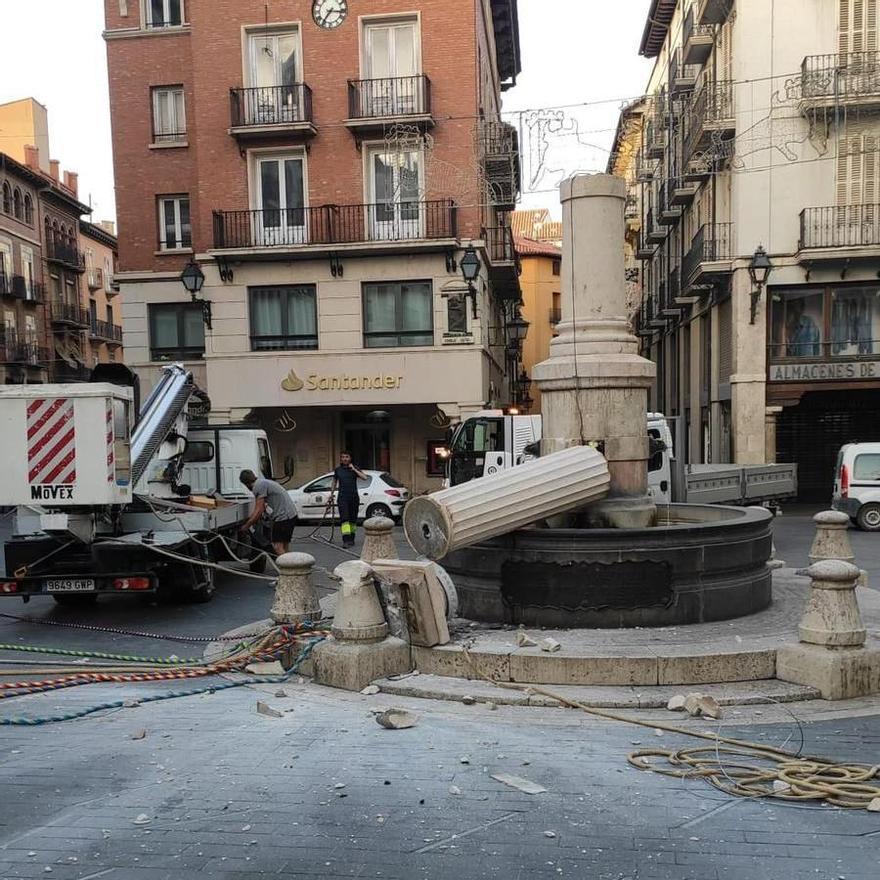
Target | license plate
(70,585)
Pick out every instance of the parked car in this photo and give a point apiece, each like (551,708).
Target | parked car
(857,484)
(380,493)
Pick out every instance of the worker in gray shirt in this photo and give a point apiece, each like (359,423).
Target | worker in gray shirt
(281,510)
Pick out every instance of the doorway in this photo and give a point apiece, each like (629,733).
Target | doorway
(367,436)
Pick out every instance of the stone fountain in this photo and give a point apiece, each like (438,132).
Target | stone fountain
(622,561)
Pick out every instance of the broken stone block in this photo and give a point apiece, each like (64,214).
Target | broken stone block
(266,709)
(692,704)
(676,703)
(396,719)
(551,646)
(874,806)
(524,640)
(370,690)
(273,667)
(710,708)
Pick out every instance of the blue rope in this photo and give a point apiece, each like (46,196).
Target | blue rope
(192,692)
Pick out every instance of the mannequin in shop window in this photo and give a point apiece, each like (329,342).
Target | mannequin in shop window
(803,338)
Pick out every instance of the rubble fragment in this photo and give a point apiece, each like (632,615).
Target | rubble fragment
(396,719)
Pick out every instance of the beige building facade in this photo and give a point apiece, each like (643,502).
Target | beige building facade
(760,128)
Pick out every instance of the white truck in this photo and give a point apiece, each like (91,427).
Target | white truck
(492,441)
(109,505)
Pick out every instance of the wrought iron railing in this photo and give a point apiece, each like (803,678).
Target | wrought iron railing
(692,29)
(270,105)
(500,244)
(713,243)
(390,96)
(840,226)
(336,224)
(69,313)
(61,251)
(106,331)
(22,349)
(712,105)
(498,139)
(95,278)
(682,76)
(843,75)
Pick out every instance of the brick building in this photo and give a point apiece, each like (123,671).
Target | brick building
(325,166)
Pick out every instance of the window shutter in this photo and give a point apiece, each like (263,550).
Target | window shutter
(857,26)
(870,145)
(725,41)
(843,25)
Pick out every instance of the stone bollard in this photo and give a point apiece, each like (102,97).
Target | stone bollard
(295,596)
(832,540)
(832,655)
(378,539)
(360,649)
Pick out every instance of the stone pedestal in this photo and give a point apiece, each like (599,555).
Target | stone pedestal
(359,649)
(295,597)
(832,540)
(378,539)
(594,386)
(832,655)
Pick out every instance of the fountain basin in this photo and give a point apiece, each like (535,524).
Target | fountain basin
(700,563)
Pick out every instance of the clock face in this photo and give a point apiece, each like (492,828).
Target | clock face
(329,13)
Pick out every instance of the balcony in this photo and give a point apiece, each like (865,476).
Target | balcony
(655,233)
(710,258)
(850,79)
(503,263)
(713,11)
(69,315)
(683,190)
(698,39)
(22,350)
(657,321)
(324,227)
(95,278)
(682,77)
(104,331)
(711,123)
(670,213)
(655,139)
(645,168)
(644,250)
(840,233)
(669,307)
(499,148)
(271,111)
(374,103)
(65,253)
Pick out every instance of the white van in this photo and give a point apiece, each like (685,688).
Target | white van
(857,484)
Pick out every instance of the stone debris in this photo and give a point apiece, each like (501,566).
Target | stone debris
(550,834)
(692,704)
(874,806)
(524,785)
(676,703)
(524,640)
(468,700)
(130,704)
(551,646)
(464,759)
(339,785)
(272,667)
(370,690)
(397,719)
(137,734)
(245,827)
(780,787)
(658,732)
(141,819)
(281,694)
(266,709)
(492,706)
(710,708)
(454,790)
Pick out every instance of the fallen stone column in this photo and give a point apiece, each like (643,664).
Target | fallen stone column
(453,518)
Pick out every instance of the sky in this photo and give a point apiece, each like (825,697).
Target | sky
(574,52)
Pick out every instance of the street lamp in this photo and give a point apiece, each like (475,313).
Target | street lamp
(470,269)
(760,268)
(518,327)
(193,279)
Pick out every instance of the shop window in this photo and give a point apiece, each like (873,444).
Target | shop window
(176,332)
(855,322)
(398,314)
(797,323)
(283,318)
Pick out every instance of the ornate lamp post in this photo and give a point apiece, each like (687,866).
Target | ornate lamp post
(470,265)
(192,278)
(760,268)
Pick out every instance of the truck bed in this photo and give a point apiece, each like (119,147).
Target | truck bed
(740,484)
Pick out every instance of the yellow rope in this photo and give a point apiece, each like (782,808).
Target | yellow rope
(783,774)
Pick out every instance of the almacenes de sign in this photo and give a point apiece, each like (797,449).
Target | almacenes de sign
(842,371)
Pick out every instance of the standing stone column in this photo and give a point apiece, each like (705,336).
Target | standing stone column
(594,386)
(295,597)
(833,654)
(832,540)
(378,539)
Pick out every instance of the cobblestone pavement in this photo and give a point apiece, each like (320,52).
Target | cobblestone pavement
(214,789)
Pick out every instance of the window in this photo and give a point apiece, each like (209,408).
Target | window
(398,314)
(110,315)
(867,467)
(391,86)
(855,322)
(456,314)
(557,266)
(283,318)
(175,231)
(265,459)
(17,206)
(28,209)
(320,485)
(121,442)
(108,274)
(198,451)
(27,270)
(169,114)
(176,332)
(395,186)
(281,200)
(164,13)
(5,261)
(797,323)
(7,198)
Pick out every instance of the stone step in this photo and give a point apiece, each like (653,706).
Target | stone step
(438,687)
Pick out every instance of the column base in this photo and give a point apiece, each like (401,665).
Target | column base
(839,674)
(621,513)
(351,666)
